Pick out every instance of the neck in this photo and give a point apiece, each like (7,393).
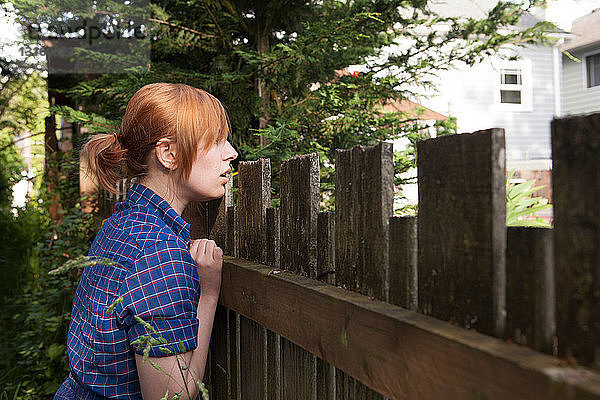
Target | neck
(160,186)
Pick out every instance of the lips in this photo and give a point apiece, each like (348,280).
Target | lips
(224,174)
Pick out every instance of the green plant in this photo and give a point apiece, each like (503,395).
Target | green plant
(520,203)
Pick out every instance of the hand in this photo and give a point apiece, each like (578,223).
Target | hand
(209,261)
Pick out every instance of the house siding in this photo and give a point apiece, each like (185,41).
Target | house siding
(469,94)
(577,98)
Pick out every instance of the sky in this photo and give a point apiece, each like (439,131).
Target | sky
(563,12)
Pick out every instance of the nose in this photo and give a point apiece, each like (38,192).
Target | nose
(229,153)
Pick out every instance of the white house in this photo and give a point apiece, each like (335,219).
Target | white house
(521,96)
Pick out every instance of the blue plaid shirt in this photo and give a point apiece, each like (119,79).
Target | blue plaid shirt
(157,280)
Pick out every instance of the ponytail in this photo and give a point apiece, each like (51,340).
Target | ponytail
(105,157)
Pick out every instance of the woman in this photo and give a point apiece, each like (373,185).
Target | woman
(162,288)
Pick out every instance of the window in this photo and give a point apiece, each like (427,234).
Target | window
(592,66)
(511,86)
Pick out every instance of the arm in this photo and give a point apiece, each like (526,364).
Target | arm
(154,383)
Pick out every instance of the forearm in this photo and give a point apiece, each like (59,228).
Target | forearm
(180,373)
(206,315)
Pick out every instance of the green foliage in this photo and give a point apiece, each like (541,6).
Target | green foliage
(36,363)
(278,66)
(521,203)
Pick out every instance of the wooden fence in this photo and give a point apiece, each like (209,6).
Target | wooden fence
(358,304)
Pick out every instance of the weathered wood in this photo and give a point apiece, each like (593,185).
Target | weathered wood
(403,262)
(299,372)
(218,351)
(399,353)
(273,242)
(325,380)
(299,195)
(462,229)
(326,247)
(348,388)
(253,360)
(273,366)
(576,190)
(345,224)
(363,201)
(234,373)
(325,273)
(254,181)
(232,232)
(530,317)
(195,214)
(273,340)
(217,216)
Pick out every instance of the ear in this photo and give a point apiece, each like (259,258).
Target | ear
(166,153)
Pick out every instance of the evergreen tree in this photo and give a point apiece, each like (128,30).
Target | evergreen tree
(278,66)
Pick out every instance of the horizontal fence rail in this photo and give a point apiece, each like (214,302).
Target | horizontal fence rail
(397,352)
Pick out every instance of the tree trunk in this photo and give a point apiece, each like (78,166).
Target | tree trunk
(51,168)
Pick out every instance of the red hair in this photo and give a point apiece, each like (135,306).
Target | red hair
(190,117)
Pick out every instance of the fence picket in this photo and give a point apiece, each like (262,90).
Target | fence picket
(299,207)
(462,229)
(363,201)
(326,247)
(254,180)
(530,317)
(403,262)
(232,232)
(326,273)
(218,350)
(273,244)
(576,193)
(273,340)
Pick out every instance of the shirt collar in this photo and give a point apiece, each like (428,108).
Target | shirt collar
(143,196)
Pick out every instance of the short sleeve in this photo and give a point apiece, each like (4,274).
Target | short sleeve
(162,289)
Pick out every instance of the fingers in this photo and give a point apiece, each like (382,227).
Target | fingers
(217,253)
(210,245)
(206,248)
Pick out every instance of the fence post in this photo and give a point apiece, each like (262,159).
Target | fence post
(462,229)
(364,178)
(254,181)
(299,207)
(576,193)
(403,262)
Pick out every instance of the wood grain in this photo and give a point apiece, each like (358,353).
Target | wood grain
(462,229)
(399,353)
(576,192)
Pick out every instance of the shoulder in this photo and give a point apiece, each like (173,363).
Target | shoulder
(143,228)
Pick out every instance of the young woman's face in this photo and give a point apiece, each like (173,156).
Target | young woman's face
(207,180)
